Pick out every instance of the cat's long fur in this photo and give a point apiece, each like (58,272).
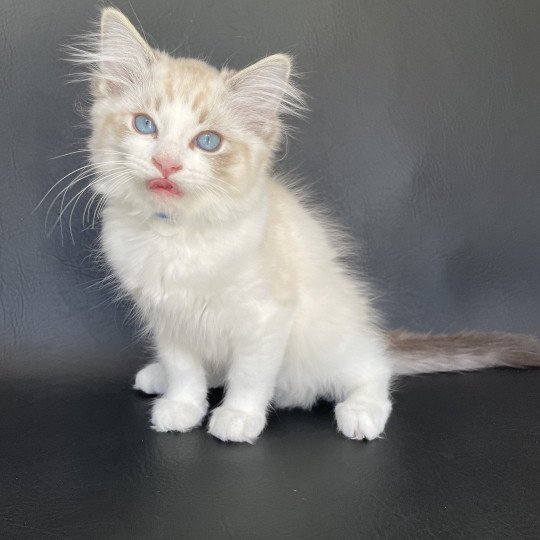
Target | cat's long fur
(242,284)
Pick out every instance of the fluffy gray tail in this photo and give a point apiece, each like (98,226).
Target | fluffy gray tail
(427,353)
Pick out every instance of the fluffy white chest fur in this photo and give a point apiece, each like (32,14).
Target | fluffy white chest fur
(262,307)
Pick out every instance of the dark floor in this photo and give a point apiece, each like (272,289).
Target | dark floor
(461,458)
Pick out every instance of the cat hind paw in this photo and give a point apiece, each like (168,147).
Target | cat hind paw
(362,419)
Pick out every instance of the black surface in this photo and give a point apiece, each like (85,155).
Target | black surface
(424,141)
(460,460)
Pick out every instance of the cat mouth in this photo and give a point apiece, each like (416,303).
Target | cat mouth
(163,186)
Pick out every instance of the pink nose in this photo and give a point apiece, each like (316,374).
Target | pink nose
(165,166)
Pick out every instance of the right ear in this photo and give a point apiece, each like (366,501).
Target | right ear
(260,90)
(124,56)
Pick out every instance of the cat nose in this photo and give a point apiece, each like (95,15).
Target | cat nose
(165,166)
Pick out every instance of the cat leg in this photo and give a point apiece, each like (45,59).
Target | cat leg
(250,387)
(151,379)
(184,404)
(242,415)
(365,387)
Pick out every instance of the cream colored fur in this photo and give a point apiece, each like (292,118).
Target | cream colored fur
(239,282)
(242,286)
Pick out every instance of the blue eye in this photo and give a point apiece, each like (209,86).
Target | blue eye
(208,141)
(144,124)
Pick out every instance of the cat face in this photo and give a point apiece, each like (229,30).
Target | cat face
(175,136)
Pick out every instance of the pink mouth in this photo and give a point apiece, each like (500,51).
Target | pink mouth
(163,186)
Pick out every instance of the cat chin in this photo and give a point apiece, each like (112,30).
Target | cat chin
(152,211)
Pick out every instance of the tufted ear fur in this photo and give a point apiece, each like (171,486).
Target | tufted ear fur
(123,56)
(260,92)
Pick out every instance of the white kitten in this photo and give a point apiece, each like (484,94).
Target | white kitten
(238,281)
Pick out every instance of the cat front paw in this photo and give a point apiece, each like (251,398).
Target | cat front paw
(229,424)
(171,415)
(362,419)
(151,379)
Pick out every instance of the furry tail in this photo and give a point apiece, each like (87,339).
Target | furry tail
(425,353)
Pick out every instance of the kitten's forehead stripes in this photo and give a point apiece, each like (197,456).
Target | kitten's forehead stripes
(187,78)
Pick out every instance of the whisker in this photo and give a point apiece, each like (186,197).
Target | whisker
(61,179)
(81,176)
(93,151)
(63,207)
(102,202)
(126,176)
(80,195)
(88,207)
(86,168)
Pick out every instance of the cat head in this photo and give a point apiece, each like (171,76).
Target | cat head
(175,136)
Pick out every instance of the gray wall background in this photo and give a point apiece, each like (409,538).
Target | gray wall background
(422,139)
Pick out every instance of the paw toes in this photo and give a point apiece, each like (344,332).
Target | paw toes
(170,415)
(238,426)
(362,420)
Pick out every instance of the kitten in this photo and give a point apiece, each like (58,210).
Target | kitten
(238,281)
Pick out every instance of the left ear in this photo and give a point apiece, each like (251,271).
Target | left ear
(124,56)
(259,91)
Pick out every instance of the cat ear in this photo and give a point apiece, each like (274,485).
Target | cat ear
(263,90)
(124,56)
